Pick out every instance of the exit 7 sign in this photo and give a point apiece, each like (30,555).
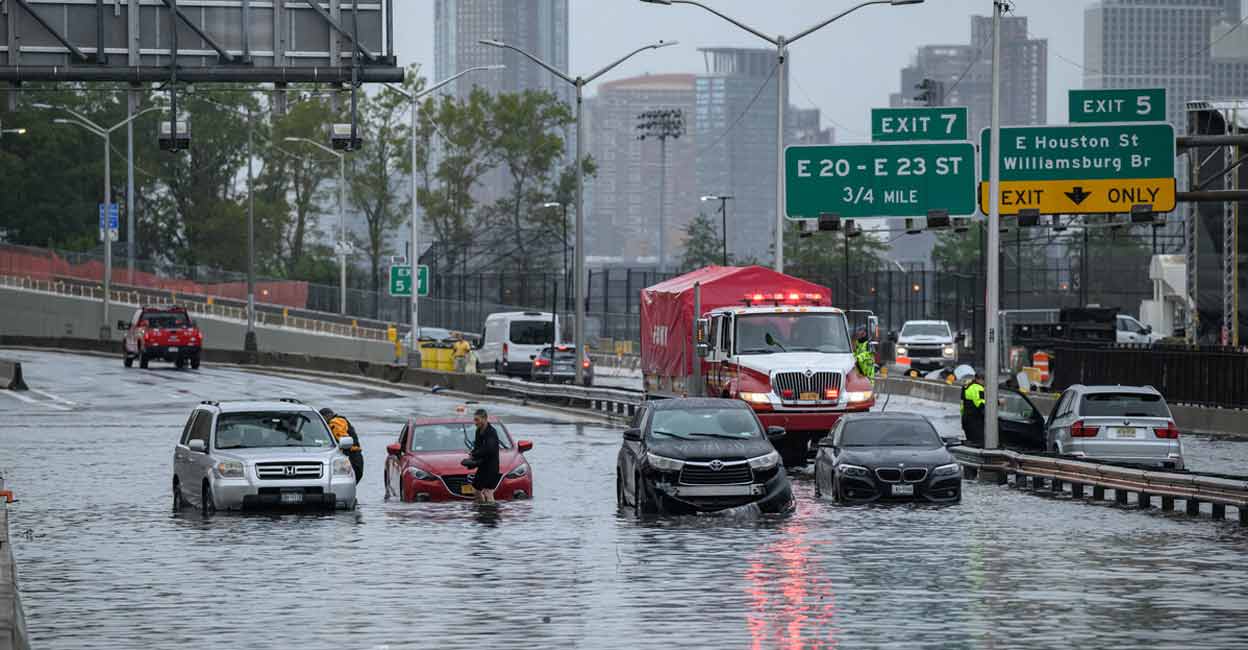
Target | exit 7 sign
(918,124)
(401,281)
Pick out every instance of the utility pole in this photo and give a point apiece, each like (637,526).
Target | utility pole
(249,339)
(662,124)
(992,303)
(723,221)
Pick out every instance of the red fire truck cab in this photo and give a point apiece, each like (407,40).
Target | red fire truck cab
(769,339)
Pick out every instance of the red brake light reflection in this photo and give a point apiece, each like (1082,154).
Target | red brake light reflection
(831,393)
(1169,431)
(1080,430)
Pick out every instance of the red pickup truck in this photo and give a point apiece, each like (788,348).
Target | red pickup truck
(161,333)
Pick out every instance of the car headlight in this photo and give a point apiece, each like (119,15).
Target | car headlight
(342,467)
(420,474)
(520,470)
(230,469)
(663,463)
(766,461)
(853,470)
(756,398)
(901,350)
(952,469)
(949,351)
(859,396)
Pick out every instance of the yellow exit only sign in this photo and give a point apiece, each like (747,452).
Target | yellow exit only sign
(1088,196)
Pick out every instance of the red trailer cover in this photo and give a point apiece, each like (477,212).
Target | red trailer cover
(667,309)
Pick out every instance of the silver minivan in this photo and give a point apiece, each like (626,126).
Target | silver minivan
(1126,424)
(236,455)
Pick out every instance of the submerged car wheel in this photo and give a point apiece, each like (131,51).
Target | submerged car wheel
(180,363)
(127,360)
(142,359)
(207,505)
(178,502)
(643,504)
(619,491)
(195,362)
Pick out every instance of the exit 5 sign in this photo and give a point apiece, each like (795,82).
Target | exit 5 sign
(1139,105)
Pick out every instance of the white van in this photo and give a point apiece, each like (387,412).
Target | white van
(513,339)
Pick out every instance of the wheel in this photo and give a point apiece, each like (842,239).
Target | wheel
(179,363)
(207,505)
(498,369)
(619,491)
(589,382)
(195,362)
(142,359)
(178,502)
(127,360)
(644,505)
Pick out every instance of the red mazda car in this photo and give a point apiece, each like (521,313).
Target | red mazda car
(424,465)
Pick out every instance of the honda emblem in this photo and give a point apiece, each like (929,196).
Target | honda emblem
(289,470)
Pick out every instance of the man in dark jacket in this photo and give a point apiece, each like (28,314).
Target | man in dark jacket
(484,458)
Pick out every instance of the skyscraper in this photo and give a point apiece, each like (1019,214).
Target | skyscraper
(624,195)
(537,26)
(735,129)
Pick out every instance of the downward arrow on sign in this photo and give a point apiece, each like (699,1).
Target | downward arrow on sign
(1078,195)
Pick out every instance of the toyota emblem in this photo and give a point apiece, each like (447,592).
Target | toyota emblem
(716,465)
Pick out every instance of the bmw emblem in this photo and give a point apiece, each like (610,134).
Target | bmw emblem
(715,465)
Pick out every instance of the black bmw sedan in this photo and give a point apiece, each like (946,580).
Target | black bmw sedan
(683,456)
(878,456)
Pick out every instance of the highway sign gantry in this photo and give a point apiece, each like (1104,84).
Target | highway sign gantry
(879,180)
(1084,168)
(918,124)
(401,281)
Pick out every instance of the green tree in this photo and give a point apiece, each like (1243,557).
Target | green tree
(703,243)
(465,157)
(958,252)
(373,186)
(293,178)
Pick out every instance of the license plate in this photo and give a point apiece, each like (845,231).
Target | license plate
(808,397)
(292,497)
(903,490)
(467,489)
(563,367)
(173,349)
(1124,432)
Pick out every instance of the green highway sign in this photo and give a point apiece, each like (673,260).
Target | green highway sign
(879,180)
(918,124)
(1139,105)
(1083,168)
(401,281)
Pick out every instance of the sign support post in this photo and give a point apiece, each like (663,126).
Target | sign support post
(991,303)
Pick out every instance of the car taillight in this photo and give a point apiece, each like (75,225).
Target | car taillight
(505,349)
(1168,431)
(541,363)
(1081,430)
(585,363)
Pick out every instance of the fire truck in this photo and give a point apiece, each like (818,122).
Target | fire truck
(753,334)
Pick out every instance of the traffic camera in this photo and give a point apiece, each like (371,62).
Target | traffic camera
(340,138)
(170,142)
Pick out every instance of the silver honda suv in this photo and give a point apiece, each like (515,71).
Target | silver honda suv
(236,455)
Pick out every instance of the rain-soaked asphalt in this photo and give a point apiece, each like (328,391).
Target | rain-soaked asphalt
(104,564)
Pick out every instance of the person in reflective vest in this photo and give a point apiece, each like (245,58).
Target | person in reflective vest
(863,356)
(340,427)
(973,411)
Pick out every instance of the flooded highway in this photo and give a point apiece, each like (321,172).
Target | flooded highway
(104,563)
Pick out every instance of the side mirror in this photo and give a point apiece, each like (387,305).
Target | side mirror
(123,325)
(702,350)
(892,336)
(1148,329)
(532,357)
(197,446)
(952,442)
(346,442)
(394,449)
(524,446)
(827,441)
(960,338)
(632,435)
(775,433)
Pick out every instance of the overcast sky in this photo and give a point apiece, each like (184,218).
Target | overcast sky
(845,69)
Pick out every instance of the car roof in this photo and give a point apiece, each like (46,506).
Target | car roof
(451,420)
(925,322)
(676,404)
(1108,388)
(251,406)
(165,308)
(912,417)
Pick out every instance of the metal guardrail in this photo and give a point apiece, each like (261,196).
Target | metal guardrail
(613,401)
(212,308)
(1063,475)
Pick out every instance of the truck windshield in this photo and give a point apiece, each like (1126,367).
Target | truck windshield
(791,332)
(926,329)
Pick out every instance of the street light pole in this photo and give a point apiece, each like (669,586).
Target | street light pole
(782,44)
(579,83)
(342,220)
(564,224)
(413,353)
(992,303)
(106,332)
(249,339)
(723,221)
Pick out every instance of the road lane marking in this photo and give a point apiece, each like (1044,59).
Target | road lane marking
(28,400)
(54,398)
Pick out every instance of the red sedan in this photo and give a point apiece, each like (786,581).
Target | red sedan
(424,465)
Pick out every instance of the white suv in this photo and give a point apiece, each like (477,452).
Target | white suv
(928,344)
(236,455)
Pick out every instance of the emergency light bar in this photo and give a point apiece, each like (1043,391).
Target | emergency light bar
(778,298)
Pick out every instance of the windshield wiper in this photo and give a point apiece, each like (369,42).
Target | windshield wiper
(730,436)
(669,433)
(757,351)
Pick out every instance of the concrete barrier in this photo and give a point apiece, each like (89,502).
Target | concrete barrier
(11,375)
(1199,419)
(12,619)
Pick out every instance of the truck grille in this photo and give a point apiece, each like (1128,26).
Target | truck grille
(738,474)
(798,383)
(298,471)
(924,350)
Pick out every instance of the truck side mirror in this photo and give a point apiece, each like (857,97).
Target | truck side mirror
(701,330)
(892,336)
(703,350)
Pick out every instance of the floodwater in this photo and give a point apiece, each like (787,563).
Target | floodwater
(103,562)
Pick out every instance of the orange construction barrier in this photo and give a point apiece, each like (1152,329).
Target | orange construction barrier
(1040,361)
